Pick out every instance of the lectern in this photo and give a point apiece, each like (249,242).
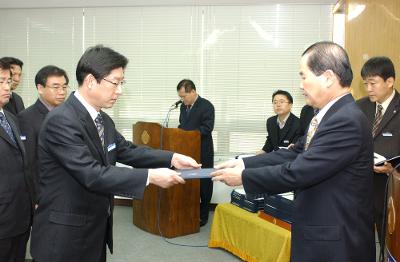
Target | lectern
(173,211)
(392,241)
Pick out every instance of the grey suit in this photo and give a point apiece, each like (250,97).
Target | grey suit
(78,180)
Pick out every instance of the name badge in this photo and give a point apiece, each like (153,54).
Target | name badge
(23,138)
(111,147)
(387,134)
(286,141)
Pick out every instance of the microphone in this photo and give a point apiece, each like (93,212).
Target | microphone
(177,103)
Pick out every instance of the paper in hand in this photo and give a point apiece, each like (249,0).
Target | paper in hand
(195,173)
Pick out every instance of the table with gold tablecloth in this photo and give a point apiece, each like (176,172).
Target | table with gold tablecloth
(248,236)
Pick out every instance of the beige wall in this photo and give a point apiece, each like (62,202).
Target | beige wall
(375,32)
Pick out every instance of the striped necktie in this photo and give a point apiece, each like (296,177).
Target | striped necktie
(377,121)
(311,131)
(100,127)
(6,126)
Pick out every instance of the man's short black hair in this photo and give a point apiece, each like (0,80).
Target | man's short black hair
(380,66)
(13,61)
(187,84)
(46,72)
(99,61)
(284,93)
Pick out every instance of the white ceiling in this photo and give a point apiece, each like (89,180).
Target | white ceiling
(98,3)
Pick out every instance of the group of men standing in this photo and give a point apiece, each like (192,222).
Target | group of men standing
(339,191)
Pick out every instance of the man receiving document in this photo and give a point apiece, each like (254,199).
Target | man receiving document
(329,169)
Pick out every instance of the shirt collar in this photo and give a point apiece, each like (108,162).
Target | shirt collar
(325,109)
(92,111)
(386,103)
(282,124)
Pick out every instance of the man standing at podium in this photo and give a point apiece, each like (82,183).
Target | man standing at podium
(78,149)
(382,107)
(198,113)
(329,168)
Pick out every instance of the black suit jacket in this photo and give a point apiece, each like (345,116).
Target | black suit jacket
(387,137)
(30,121)
(306,114)
(333,217)
(288,134)
(200,117)
(15,199)
(78,180)
(15,105)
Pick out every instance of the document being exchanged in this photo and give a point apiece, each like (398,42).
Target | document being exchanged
(195,173)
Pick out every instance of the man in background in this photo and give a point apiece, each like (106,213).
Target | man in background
(197,113)
(52,85)
(382,107)
(15,187)
(330,168)
(282,129)
(78,149)
(16,104)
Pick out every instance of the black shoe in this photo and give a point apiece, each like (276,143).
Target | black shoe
(203,222)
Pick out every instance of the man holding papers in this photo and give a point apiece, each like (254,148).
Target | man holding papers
(382,108)
(329,168)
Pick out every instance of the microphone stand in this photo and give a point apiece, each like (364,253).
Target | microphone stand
(165,123)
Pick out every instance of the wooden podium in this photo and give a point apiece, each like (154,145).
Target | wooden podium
(173,211)
(392,241)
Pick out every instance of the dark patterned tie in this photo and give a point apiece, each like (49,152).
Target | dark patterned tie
(6,126)
(100,127)
(377,121)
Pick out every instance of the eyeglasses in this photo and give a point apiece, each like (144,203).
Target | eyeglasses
(279,102)
(59,88)
(121,83)
(8,81)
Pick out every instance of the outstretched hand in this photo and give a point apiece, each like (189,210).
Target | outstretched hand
(164,177)
(180,161)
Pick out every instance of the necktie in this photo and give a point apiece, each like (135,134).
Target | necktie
(311,131)
(100,127)
(6,126)
(377,121)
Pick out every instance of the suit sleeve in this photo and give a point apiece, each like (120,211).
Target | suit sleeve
(207,120)
(333,148)
(64,140)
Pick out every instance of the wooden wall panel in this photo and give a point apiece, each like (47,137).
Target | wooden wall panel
(374,32)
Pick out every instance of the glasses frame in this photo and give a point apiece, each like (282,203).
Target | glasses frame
(120,84)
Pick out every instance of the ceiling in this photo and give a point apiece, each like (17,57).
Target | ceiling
(99,3)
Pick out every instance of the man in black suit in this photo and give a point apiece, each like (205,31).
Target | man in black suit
(16,104)
(282,128)
(52,85)
(78,149)
(197,113)
(379,76)
(15,194)
(330,168)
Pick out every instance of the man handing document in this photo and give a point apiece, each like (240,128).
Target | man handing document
(78,149)
(329,169)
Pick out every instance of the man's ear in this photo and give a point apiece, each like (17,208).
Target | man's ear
(329,77)
(390,82)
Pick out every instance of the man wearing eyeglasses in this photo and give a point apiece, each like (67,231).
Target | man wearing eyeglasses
(52,85)
(15,186)
(282,128)
(78,149)
(16,104)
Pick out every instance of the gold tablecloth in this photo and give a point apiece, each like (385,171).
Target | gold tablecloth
(247,236)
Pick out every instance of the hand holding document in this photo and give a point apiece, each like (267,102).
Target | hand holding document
(229,172)
(383,165)
(196,173)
